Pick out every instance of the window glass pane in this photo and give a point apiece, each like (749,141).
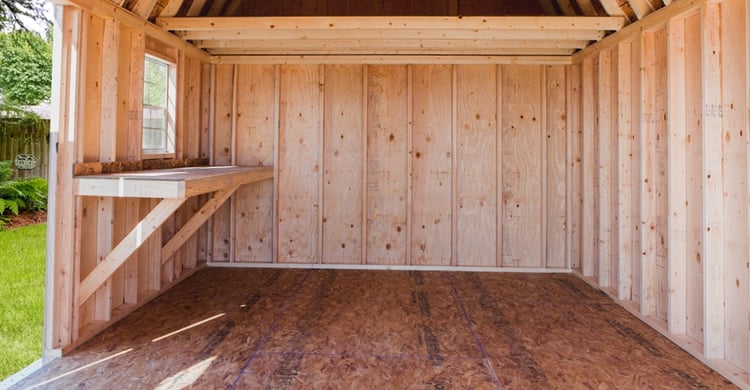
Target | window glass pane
(155,77)
(157,137)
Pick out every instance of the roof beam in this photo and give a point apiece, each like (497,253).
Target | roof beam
(129,19)
(413,34)
(392,43)
(394,23)
(394,51)
(393,60)
(640,7)
(143,8)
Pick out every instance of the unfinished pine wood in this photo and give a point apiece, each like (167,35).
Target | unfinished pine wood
(223,122)
(198,218)
(605,161)
(299,164)
(62,132)
(588,238)
(432,159)
(332,23)
(106,10)
(624,184)
(343,147)
(170,183)
(381,34)
(311,328)
(521,164)
(255,132)
(694,178)
(108,147)
(387,154)
(635,107)
(476,165)
(125,248)
(556,198)
(661,173)
(648,175)
(677,245)
(733,111)
(92,94)
(575,166)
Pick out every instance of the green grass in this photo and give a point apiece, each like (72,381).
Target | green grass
(21,297)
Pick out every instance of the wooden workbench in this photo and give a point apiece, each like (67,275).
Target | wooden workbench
(174,186)
(169,183)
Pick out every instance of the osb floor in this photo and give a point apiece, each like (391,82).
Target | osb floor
(272,329)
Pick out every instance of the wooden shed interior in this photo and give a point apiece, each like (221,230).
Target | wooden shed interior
(603,138)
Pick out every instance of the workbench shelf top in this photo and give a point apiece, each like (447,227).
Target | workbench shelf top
(169,183)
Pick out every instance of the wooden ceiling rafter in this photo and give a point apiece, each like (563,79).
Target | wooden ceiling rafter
(470,36)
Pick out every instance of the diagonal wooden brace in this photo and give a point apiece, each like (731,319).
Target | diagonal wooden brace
(219,197)
(134,240)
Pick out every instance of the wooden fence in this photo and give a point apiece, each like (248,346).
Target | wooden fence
(25,136)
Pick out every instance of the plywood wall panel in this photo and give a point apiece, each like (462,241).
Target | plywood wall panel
(522,165)
(342,164)
(432,165)
(476,167)
(255,133)
(221,248)
(387,154)
(556,159)
(299,163)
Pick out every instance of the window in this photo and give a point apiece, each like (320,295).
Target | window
(158,107)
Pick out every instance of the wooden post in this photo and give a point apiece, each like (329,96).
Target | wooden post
(60,301)
(588,217)
(735,191)
(604,153)
(648,175)
(624,251)
(677,246)
(713,191)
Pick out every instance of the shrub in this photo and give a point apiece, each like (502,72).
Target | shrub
(20,194)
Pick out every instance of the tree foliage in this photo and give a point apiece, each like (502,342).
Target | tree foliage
(25,67)
(15,14)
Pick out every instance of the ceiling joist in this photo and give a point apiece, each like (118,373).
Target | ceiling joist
(289,37)
(330,23)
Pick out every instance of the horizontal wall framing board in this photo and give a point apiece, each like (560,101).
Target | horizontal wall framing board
(393,59)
